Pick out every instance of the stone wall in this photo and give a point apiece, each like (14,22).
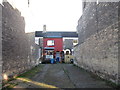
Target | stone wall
(97,50)
(0,46)
(18,48)
(34,48)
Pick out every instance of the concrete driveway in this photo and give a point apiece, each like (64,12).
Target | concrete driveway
(68,76)
(62,76)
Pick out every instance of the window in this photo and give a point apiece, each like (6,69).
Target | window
(50,43)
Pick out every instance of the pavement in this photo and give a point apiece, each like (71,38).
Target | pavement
(62,76)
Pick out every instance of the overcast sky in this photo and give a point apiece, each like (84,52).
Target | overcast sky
(58,15)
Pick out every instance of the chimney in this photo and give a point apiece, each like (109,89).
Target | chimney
(44,28)
(28,3)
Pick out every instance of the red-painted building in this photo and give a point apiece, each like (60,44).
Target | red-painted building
(57,43)
(53,43)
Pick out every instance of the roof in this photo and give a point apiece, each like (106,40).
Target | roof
(55,34)
(52,35)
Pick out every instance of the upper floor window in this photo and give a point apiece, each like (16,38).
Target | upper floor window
(50,43)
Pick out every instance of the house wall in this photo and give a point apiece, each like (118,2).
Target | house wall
(57,41)
(68,43)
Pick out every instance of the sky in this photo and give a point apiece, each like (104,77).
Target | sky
(57,15)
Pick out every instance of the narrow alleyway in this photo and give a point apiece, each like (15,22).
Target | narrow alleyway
(87,37)
(64,76)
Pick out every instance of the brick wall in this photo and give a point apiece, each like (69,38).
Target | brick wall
(98,40)
(18,48)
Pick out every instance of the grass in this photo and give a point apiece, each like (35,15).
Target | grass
(30,73)
(7,82)
(10,85)
(110,83)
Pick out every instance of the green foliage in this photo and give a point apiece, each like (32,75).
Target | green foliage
(29,74)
